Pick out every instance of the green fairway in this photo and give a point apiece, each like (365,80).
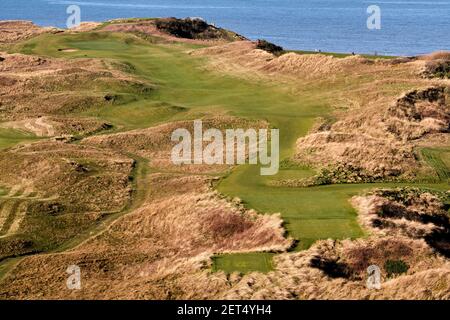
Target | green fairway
(243,262)
(11,137)
(184,90)
(138,114)
(310,213)
(439,159)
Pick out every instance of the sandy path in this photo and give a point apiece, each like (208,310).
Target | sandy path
(20,215)
(5,212)
(41,127)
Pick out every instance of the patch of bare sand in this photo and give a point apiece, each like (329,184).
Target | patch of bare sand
(68,50)
(57,126)
(41,127)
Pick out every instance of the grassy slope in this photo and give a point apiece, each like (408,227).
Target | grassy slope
(343,55)
(439,159)
(184,90)
(11,137)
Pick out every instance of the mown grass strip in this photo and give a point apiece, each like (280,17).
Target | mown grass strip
(12,137)
(439,159)
(243,262)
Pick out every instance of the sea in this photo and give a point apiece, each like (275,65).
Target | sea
(387,27)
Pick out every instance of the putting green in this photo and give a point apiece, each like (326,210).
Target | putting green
(184,90)
(244,262)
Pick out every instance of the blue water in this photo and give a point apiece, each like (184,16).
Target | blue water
(408,27)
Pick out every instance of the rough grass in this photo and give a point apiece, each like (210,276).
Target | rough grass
(343,55)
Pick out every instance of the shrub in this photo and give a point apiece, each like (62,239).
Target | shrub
(438,69)
(395,267)
(269,47)
(331,267)
(183,28)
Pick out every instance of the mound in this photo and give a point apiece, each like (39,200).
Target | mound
(32,87)
(237,57)
(157,249)
(378,143)
(16,30)
(437,65)
(311,65)
(410,212)
(64,189)
(155,143)
(195,28)
(173,29)
(245,57)
(269,47)
(86,26)
(355,157)
(438,55)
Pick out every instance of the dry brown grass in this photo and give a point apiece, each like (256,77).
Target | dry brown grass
(155,143)
(438,55)
(411,213)
(56,191)
(158,251)
(294,278)
(32,87)
(81,176)
(244,59)
(162,251)
(378,142)
(17,30)
(86,26)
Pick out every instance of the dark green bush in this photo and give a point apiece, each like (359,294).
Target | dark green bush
(395,267)
(269,47)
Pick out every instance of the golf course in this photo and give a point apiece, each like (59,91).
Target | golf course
(183,89)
